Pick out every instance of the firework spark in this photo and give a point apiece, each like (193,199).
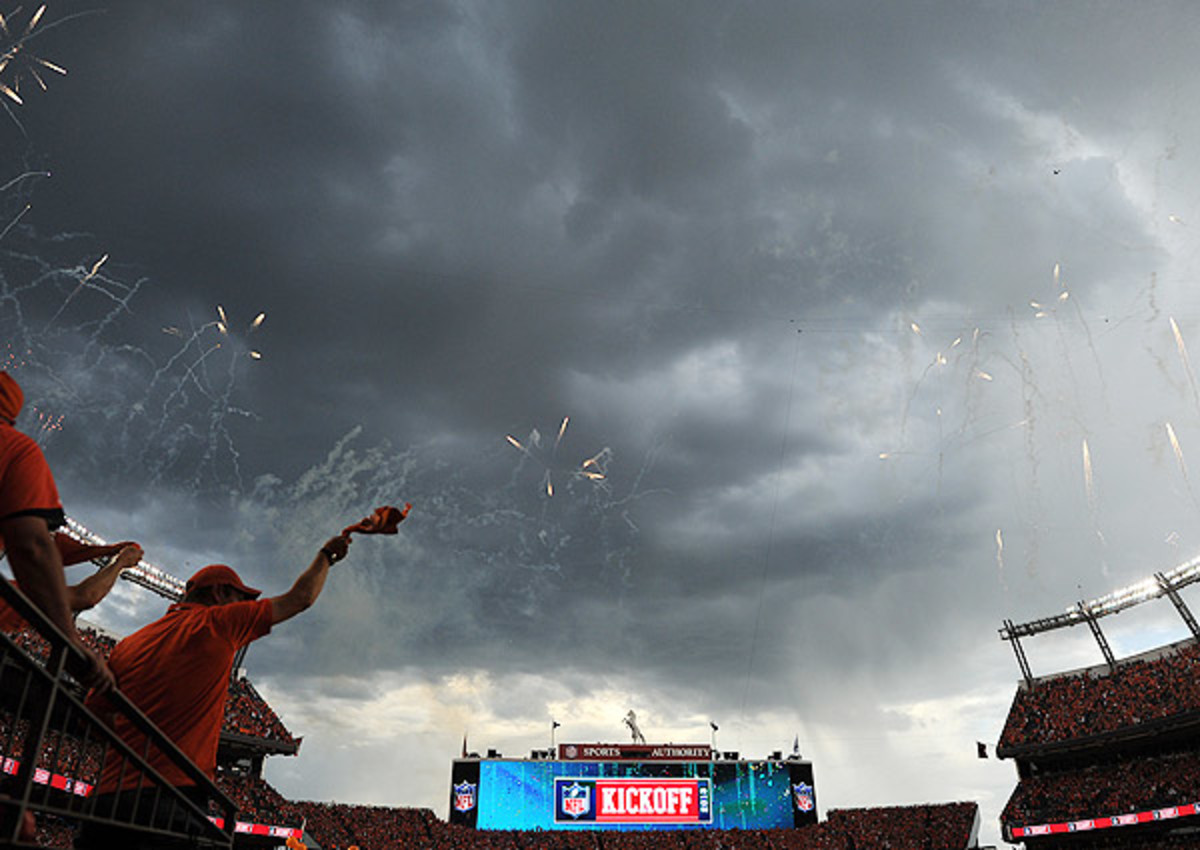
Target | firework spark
(1088,482)
(19,62)
(591,469)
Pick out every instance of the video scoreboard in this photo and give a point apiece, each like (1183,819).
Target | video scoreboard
(629,789)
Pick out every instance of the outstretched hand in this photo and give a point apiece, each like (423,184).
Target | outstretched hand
(92,673)
(335,548)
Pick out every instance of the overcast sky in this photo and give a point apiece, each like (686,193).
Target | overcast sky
(863,311)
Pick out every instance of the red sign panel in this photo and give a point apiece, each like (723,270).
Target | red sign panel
(1131,819)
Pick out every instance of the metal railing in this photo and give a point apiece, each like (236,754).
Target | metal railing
(53,750)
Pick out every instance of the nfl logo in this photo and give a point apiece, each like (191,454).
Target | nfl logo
(804,797)
(464,797)
(576,800)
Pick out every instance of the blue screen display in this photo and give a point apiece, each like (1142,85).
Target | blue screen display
(521,794)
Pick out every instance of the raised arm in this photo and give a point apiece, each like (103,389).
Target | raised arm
(37,567)
(88,593)
(308,585)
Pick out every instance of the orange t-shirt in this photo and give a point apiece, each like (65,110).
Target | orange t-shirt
(176,670)
(26,485)
(26,489)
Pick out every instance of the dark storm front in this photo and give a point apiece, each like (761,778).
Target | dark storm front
(631,795)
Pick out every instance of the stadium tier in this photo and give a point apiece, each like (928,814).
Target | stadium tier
(1142,696)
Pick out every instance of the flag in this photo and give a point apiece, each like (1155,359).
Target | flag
(981,749)
(714,726)
(796,746)
(464,755)
(554,724)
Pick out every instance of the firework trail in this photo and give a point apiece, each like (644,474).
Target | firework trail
(1000,558)
(1178,449)
(1088,481)
(1187,363)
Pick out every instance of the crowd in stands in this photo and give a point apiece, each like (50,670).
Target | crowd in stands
(1137,692)
(257,801)
(1131,785)
(339,826)
(247,713)
(925,827)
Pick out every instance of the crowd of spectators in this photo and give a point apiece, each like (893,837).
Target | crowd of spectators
(1074,706)
(341,825)
(257,801)
(247,713)
(925,827)
(1130,785)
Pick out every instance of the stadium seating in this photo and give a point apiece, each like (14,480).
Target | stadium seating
(247,713)
(898,827)
(1138,692)
(1130,785)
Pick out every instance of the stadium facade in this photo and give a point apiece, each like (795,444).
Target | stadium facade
(1108,755)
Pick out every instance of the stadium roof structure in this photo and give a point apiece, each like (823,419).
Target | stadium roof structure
(1160,584)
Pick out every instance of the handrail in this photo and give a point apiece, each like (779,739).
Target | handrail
(45,696)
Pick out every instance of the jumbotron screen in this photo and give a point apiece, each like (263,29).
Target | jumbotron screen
(521,794)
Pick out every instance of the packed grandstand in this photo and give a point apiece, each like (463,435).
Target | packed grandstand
(253,731)
(1108,756)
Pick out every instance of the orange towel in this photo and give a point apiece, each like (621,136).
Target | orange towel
(383,521)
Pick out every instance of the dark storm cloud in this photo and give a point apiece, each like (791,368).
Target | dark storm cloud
(491,181)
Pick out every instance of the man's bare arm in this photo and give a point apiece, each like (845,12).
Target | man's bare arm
(37,567)
(88,593)
(310,582)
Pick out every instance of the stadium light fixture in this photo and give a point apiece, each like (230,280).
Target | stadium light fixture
(1111,603)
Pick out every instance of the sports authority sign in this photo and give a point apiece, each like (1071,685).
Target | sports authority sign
(634,752)
(650,801)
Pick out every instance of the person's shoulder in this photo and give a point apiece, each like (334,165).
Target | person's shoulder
(13,441)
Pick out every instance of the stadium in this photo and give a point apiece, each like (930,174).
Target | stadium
(870,321)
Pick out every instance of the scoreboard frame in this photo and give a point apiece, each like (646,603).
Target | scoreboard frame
(631,794)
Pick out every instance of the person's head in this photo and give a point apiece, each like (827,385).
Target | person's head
(12,399)
(218,584)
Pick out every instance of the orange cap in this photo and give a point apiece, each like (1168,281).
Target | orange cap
(218,574)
